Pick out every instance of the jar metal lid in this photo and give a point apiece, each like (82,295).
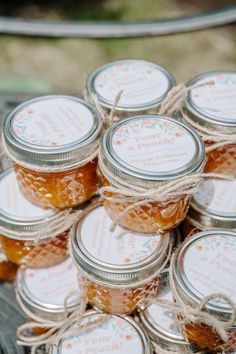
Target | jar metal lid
(117,335)
(118,257)
(42,292)
(213,206)
(52,131)
(23,220)
(204,265)
(159,322)
(213,106)
(144,84)
(151,148)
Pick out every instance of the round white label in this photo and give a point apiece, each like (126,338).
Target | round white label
(115,336)
(120,247)
(53,122)
(217,196)
(14,205)
(52,285)
(141,82)
(153,145)
(217,100)
(210,266)
(162,318)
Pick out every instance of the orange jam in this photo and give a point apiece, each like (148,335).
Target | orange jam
(203,266)
(31,235)
(119,269)
(58,189)
(53,143)
(144,85)
(213,107)
(7,269)
(143,153)
(41,293)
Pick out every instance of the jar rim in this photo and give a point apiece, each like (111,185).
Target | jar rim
(200,115)
(90,86)
(61,157)
(146,347)
(186,291)
(138,176)
(47,225)
(34,305)
(117,275)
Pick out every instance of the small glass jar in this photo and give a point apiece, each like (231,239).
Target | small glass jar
(214,107)
(114,335)
(212,207)
(52,141)
(7,269)
(147,152)
(159,323)
(119,269)
(144,85)
(205,265)
(30,235)
(41,293)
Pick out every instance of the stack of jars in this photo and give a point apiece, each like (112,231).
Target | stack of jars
(121,245)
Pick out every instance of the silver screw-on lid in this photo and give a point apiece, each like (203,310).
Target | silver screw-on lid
(116,334)
(118,257)
(23,220)
(204,265)
(151,148)
(144,85)
(52,131)
(214,206)
(213,106)
(42,292)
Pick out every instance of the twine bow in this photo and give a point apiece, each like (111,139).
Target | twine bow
(49,337)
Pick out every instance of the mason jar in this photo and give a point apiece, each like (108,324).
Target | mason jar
(8,269)
(114,334)
(41,293)
(142,153)
(30,235)
(160,323)
(120,270)
(144,85)
(52,141)
(214,108)
(213,207)
(202,266)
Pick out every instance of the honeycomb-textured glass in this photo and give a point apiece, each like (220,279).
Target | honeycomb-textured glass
(150,218)
(222,160)
(58,189)
(206,338)
(117,300)
(42,254)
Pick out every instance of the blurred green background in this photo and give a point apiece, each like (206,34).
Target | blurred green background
(63,64)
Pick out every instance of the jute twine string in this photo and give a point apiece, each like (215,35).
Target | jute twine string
(196,313)
(218,138)
(45,168)
(108,118)
(175,98)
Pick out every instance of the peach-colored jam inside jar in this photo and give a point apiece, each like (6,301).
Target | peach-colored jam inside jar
(204,266)
(53,142)
(30,235)
(144,85)
(146,152)
(120,270)
(213,107)
(212,207)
